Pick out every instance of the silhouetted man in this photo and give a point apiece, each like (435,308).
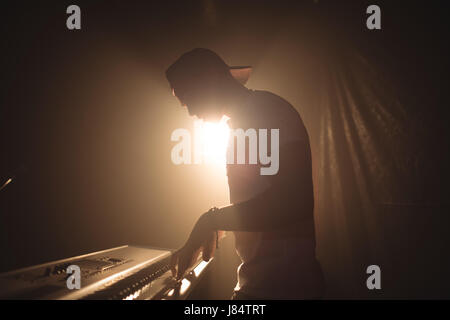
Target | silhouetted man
(271,215)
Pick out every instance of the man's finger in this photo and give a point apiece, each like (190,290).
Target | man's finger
(183,262)
(194,257)
(209,248)
(173,263)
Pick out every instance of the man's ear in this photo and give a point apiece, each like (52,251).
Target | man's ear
(241,74)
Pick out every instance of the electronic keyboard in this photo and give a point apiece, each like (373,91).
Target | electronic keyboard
(125,273)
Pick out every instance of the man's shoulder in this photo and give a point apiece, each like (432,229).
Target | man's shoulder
(280,114)
(271,98)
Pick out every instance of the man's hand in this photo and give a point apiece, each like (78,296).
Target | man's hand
(201,240)
(210,245)
(186,257)
(183,259)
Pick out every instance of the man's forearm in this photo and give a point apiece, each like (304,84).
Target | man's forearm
(265,212)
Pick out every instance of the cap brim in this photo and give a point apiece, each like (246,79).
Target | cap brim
(241,73)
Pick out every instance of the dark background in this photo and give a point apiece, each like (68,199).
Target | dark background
(86,118)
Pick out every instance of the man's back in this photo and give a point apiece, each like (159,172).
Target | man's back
(279,263)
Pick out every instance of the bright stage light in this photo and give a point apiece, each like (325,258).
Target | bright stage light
(211,140)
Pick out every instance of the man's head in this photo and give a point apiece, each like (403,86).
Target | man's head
(202,82)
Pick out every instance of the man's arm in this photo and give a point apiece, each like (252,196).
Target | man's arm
(287,201)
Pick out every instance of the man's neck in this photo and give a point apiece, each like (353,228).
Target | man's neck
(236,105)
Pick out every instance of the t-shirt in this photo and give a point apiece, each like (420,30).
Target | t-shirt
(278,260)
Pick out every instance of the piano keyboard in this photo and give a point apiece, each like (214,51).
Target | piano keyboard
(126,272)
